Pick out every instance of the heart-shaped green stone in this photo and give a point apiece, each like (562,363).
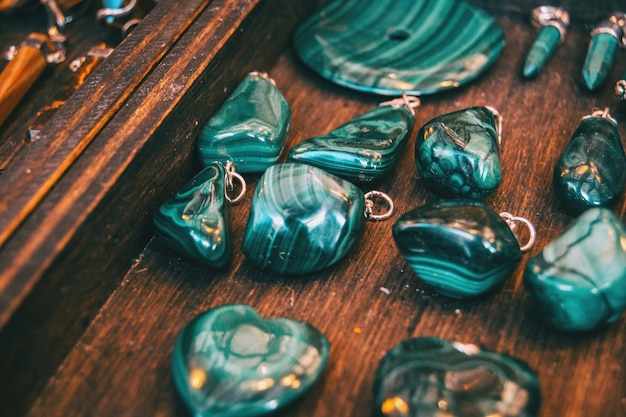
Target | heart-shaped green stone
(231,362)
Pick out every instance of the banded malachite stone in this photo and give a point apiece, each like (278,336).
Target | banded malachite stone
(461,248)
(578,281)
(391,47)
(591,172)
(231,362)
(367,148)
(195,221)
(250,128)
(599,58)
(302,219)
(457,153)
(427,377)
(547,40)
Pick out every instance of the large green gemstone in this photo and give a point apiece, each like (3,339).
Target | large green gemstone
(366,148)
(461,248)
(578,281)
(458,155)
(547,40)
(591,172)
(599,59)
(250,128)
(195,221)
(231,362)
(302,219)
(427,377)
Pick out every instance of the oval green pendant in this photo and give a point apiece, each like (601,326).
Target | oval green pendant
(249,129)
(302,219)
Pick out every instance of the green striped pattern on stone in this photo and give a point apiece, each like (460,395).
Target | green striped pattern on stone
(591,172)
(599,58)
(302,219)
(250,129)
(426,377)
(543,47)
(457,153)
(578,281)
(367,148)
(460,248)
(231,362)
(195,221)
(393,46)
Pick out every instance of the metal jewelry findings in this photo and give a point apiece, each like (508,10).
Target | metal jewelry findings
(552,23)
(605,39)
(620,88)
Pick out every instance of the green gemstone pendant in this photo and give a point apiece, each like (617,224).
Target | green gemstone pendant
(604,41)
(553,22)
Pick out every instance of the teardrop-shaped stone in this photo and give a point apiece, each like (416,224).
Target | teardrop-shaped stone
(302,219)
(461,248)
(578,281)
(366,148)
(427,377)
(591,172)
(195,221)
(457,153)
(231,362)
(250,128)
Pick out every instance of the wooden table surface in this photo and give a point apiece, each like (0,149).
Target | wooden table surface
(121,364)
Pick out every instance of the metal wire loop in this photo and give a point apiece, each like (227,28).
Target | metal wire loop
(512,221)
(230,175)
(369,205)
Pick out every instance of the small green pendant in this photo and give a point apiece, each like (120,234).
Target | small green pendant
(599,59)
(427,376)
(544,46)
(302,219)
(195,222)
(231,362)
(457,153)
(578,281)
(250,128)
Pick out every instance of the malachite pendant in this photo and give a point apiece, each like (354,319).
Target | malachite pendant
(302,219)
(458,154)
(461,248)
(591,172)
(231,362)
(578,281)
(605,39)
(250,128)
(427,377)
(552,22)
(366,148)
(195,222)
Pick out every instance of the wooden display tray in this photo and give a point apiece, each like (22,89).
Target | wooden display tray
(90,303)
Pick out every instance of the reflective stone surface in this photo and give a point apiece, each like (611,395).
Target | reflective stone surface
(543,47)
(599,58)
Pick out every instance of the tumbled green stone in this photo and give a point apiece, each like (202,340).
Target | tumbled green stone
(599,59)
(457,153)
(578,281)
(591,172)
(546,42)
(428,377)
(195,221)
(231,362)
(367,148)
(461,248)
(250,128)
(302,219)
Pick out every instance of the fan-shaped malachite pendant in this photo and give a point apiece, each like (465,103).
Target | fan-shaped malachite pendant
(231,362)
(250,128)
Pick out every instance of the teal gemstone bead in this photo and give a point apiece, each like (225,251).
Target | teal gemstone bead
(390,47)
(366,148)
(195,221)
(427,376)
(544,46)
(231,362)
(591,172)
(578,281)
(250,128)
(302,219)
(457,153)
(461,248)
(599,59)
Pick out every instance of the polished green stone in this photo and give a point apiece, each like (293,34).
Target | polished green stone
(599,59)
(544,46)
(461,248)
(390,47)
(302,219)
(428,377)
(367,148)
(591,172)
(195,221)
(457,153)
(231,362)
(578,281)
(250,128)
